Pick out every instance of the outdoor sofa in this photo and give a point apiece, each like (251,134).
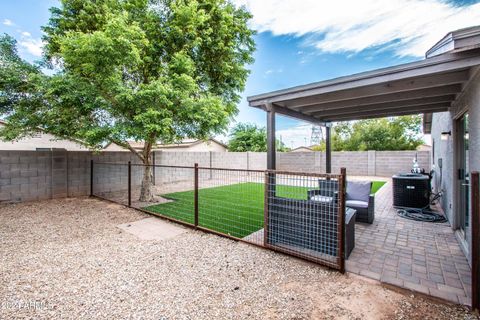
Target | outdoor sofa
(358,197)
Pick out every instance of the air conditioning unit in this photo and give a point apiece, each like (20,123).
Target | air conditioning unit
(411,190)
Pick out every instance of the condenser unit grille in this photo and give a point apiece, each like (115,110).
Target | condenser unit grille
(411,190)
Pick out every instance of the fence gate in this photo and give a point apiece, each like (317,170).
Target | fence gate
(300,214)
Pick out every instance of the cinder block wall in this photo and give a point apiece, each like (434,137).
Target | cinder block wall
(25,175)
(392,162)
(362,163)
(37,175)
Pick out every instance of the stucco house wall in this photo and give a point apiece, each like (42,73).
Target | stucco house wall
(448,150)
(469,102)
(443,149)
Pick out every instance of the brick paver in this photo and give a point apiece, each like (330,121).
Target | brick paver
(420,256)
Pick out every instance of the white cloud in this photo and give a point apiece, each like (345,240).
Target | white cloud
(32,46)
(7,22)
(409,27)
(26,34)
(295,136)
(271,71)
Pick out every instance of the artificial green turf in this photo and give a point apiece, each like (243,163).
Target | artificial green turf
(376,185)
(235,209)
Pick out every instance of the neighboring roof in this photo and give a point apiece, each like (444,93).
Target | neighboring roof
(40,130)
(301,148)
(183,144)
(188,143)
(424,147)
(429,85)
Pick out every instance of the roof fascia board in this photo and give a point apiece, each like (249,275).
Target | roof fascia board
(439,64)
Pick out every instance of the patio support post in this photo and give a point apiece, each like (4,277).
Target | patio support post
(475,199)
(271,150)
(328,149)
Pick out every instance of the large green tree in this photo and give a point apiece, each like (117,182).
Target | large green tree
(143,70)
(397,133)
(249,137)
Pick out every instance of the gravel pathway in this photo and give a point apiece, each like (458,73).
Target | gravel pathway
(67,259)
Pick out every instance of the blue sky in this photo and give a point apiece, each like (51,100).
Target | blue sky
(302,41)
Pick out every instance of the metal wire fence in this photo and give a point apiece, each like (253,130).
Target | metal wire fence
(295,213)
(303,216)
(110,181)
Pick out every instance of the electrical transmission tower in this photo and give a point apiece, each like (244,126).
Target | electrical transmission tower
(317,136)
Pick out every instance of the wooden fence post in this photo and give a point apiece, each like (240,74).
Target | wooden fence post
(265,208)
(196,195)
(341,219)
(475,200)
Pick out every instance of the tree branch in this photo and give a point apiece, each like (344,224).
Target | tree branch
(127,145)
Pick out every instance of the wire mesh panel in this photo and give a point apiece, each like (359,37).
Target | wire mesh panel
(231,202)
(295,213)
(303,216)
(173,191)
(110,181)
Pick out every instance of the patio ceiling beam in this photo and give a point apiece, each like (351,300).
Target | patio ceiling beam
(386,106)
(437,65)
(378,114)
(293,114)
(412,109)
(405,85)
(325,104)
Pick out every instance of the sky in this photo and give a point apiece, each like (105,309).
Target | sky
(302,41)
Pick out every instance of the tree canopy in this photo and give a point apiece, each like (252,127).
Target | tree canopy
(398,133)
(143,70)
(249,137)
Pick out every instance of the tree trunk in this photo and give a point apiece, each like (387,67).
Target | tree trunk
(146,191)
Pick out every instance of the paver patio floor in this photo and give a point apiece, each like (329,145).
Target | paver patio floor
(420,256)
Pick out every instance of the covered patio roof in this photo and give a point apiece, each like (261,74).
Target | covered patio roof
(430,85)
(427,86)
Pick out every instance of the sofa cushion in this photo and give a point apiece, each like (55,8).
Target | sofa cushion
(358,190)
(356,204)
(320,198)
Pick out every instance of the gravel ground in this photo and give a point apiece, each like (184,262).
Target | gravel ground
(67,259)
